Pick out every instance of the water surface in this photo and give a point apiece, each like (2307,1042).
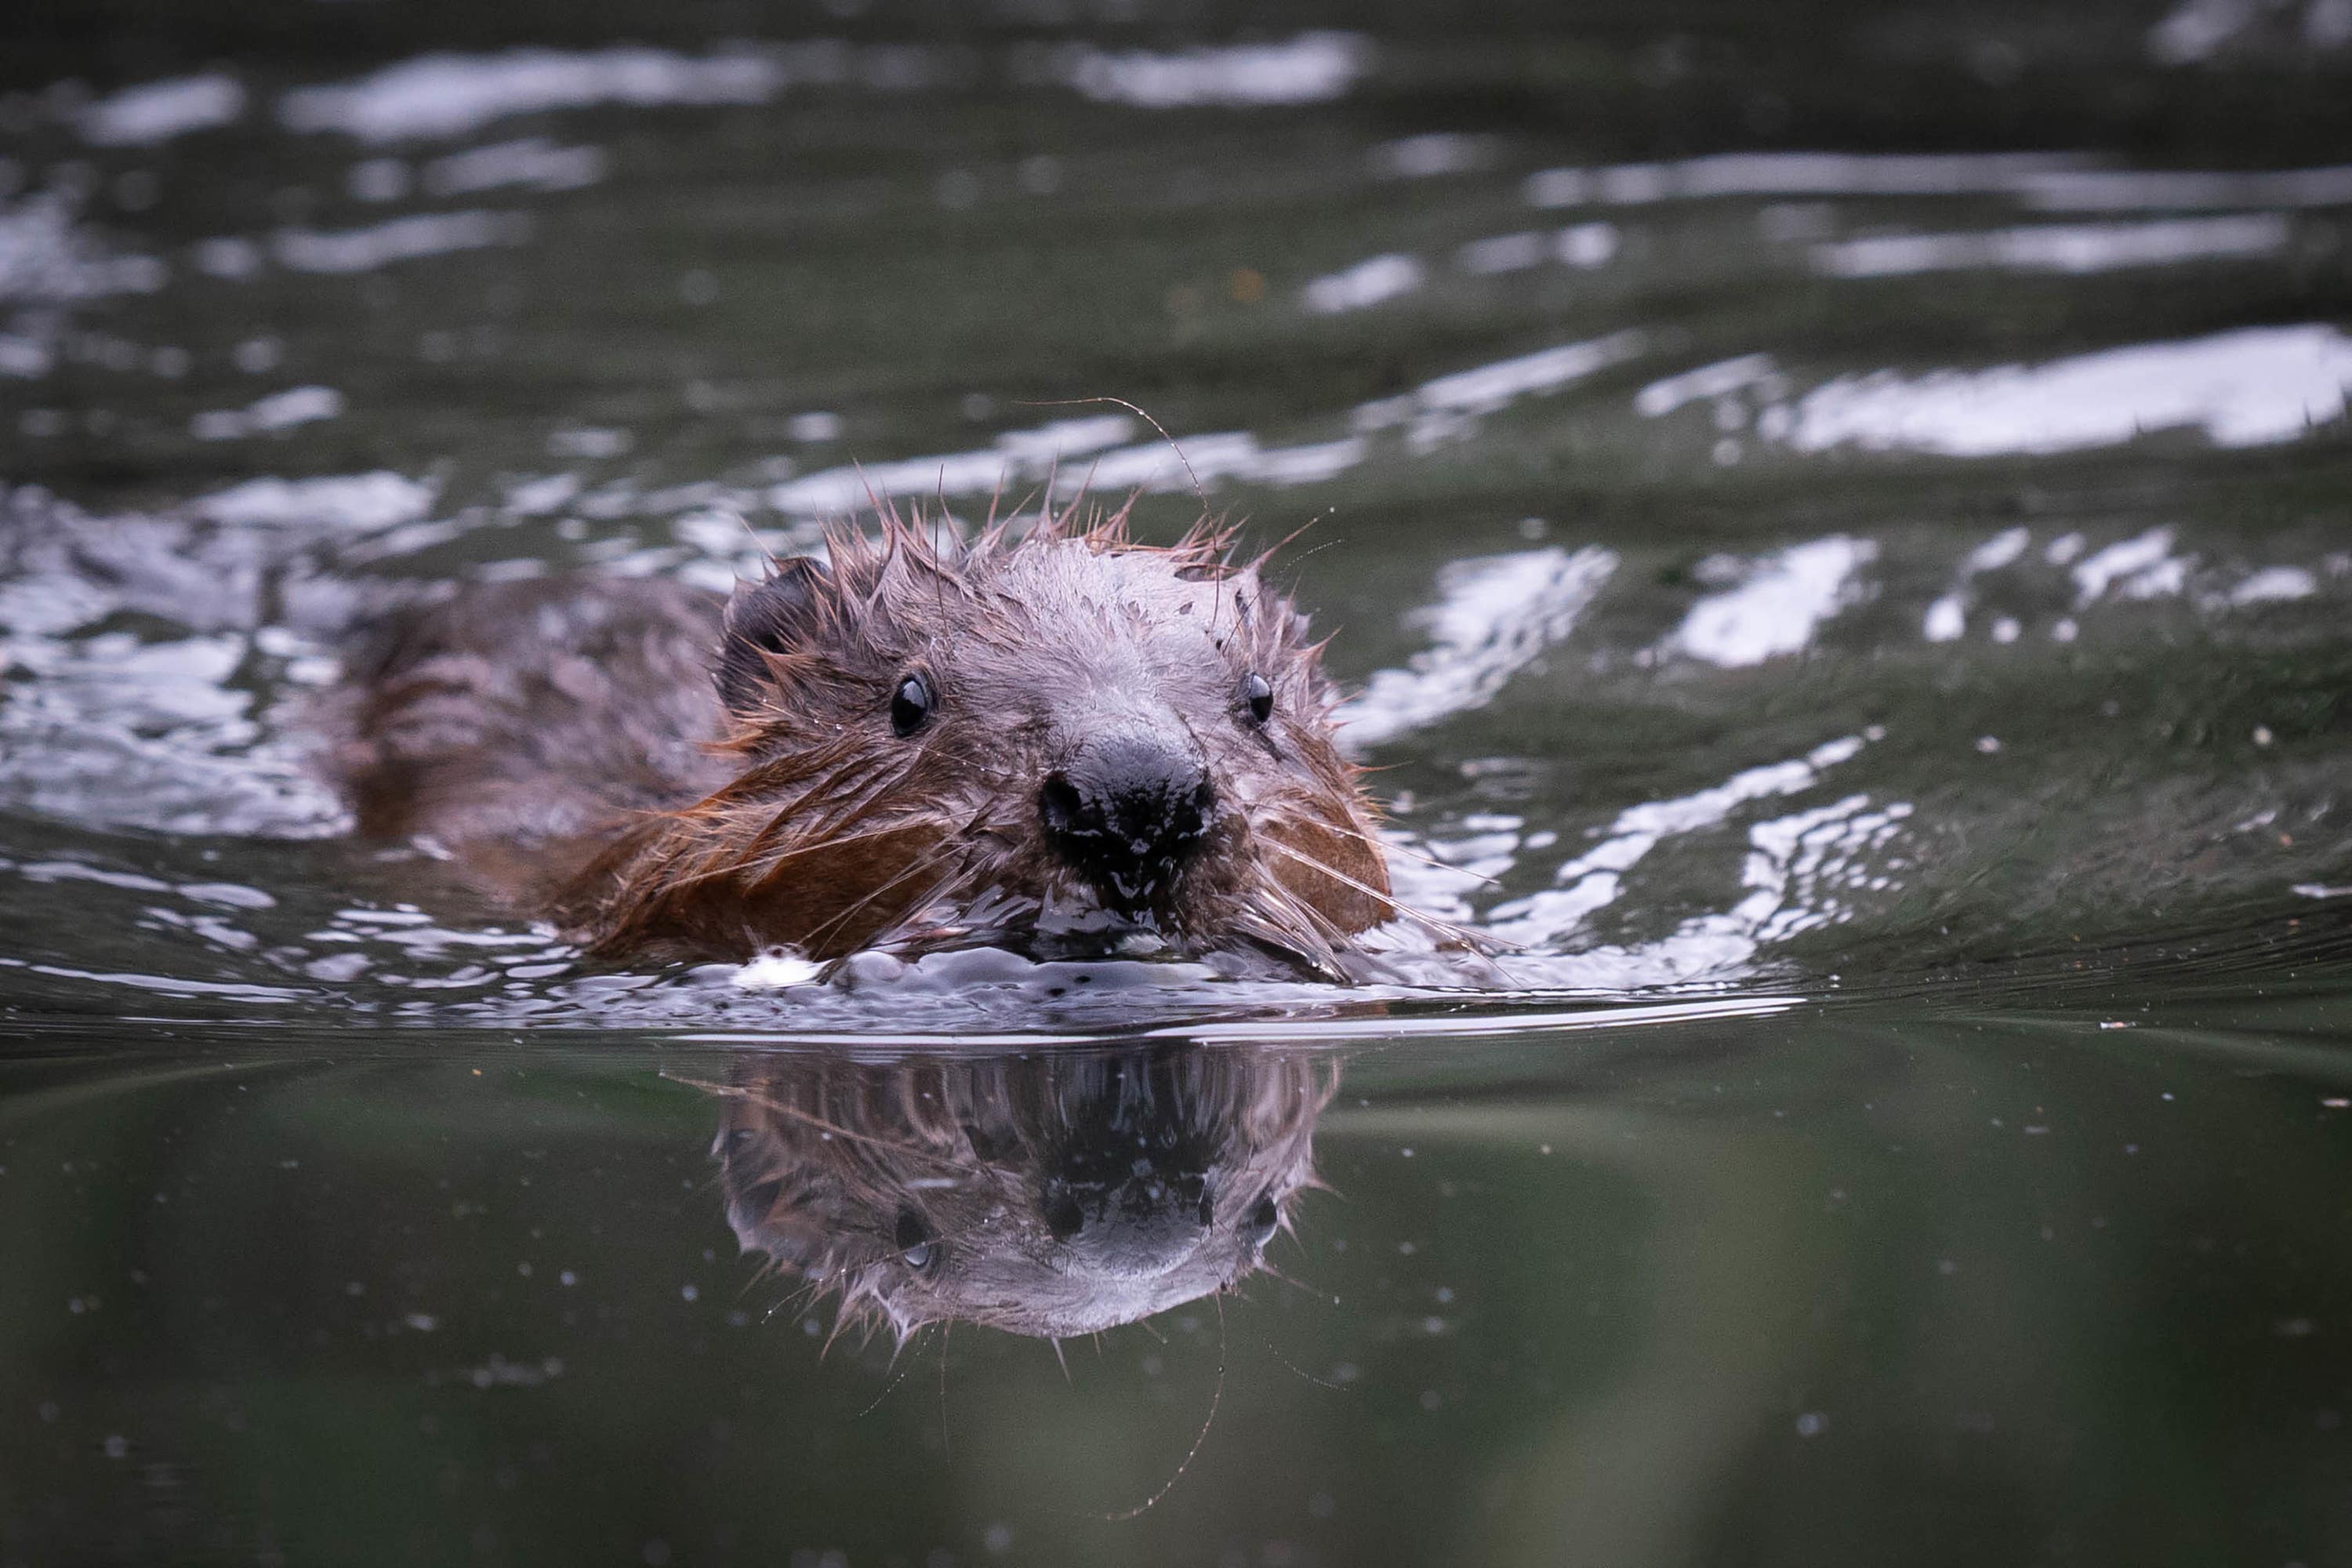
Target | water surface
(1837,525)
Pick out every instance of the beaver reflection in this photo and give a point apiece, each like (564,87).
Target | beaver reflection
(1055,1193)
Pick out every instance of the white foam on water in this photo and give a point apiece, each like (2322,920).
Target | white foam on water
(443,95)
(2275,585)
(150,735)
(1502,253)
(1433,154)
(49,258)
(1234,454)
(225,256)
(2057,248)
(1313,463)
(1995,552)
(1437,409)
(1594,879)
(1705,383)
(1312,68)
(157,112)
(2141,567)
(1579,244)
(1488,387)
(2160,190)
(1447,407)
(2200,32)
(1493,617)
(776,972)
(533,161)
(1068,451)
(1799,868)
(279,410)
(1795,174)
(2195,30)
(28,358)
(400,239)
(1018,456)
(1367,283)
(353,503)
(1154,466)
(1586,245)
(1947,617)
(590,441)
(1784,598)
(2245,388)
(1065,438)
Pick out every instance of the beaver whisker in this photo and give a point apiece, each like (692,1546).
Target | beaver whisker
(899,1375)
(810,1118)
(1304,948)
(816,936)
(782,772)
(776,866)
(780,821)
(1446,928)
(1216,1397)
(1390,848)
(837,811)
(820,795)
(989,914)
(716,866)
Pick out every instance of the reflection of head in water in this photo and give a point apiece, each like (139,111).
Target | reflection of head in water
(1052,1194)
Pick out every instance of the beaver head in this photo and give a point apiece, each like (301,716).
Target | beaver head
(1049,1194)
(1064,739)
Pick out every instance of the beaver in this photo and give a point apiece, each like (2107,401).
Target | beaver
(1048,1193)
(1054,738)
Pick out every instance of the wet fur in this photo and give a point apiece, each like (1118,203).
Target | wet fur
(668,780)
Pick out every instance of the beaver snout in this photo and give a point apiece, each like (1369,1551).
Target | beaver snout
(1127,812)
(1136,1228)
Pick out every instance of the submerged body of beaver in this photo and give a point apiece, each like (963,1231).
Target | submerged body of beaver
(1062,741)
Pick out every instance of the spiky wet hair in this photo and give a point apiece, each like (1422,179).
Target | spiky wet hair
(834,834)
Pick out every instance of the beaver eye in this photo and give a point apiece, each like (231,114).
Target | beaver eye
(912,705)
(1257,695)
(1262,1220)
(916,1248)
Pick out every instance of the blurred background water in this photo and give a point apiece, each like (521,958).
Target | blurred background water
(1838,519)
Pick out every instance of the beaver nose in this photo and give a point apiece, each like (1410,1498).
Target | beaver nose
(1135,1228)
(1127,812)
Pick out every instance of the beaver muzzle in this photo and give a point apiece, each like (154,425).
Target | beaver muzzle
(1127,812)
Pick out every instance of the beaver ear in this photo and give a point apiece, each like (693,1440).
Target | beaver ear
(773,616)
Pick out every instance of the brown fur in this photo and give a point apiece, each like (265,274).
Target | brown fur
(804,821)
(1010,1190)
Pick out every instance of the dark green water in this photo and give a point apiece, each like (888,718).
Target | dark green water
(1842,521)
